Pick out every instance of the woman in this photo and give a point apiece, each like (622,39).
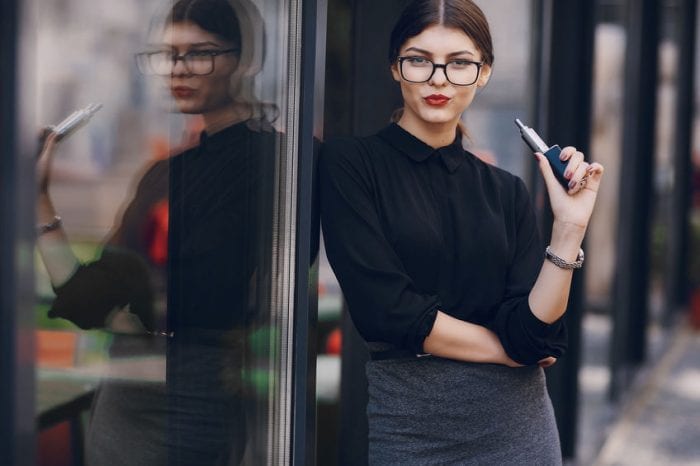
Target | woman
(439,258)
(219,205)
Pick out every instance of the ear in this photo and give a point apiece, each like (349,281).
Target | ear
(484,76)
(395,72)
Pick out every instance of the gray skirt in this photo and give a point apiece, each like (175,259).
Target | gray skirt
(434,411)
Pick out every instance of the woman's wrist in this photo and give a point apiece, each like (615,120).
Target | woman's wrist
(566,239)
(45,211)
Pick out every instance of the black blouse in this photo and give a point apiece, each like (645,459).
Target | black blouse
(410,230)
(220,196)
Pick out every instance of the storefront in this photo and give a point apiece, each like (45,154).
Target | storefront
(281,374)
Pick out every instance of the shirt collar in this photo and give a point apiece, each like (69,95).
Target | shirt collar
(451,155)
(222,139)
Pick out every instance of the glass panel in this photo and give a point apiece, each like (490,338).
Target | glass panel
(491,115)
(165,288)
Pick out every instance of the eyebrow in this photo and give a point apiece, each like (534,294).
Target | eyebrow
(453,54)
(205,44)
(194,45)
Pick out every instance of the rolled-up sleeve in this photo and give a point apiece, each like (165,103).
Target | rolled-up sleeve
(384,303)
(525,338)
(118,278)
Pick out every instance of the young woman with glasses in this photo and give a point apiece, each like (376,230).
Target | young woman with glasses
(440,261)
(218,209)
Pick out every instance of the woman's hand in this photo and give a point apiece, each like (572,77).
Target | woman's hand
(44,160)
(547,362)
(575,206)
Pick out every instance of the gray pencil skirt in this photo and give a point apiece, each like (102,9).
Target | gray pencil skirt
(434,411)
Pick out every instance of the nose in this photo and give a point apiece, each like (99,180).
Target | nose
(178,67)
(439,77)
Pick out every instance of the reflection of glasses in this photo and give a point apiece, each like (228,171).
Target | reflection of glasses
(197,62)
(458,72)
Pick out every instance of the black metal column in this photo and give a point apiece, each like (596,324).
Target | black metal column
(679,248)
(564,85)
(633,242)
(17,440)
(373,97)
(305,299)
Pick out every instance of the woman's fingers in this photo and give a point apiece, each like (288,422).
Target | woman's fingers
(575,161)
(549,179)
(42,139)
(593,176)
(579,179)
(43,163)
(580,173)
(547,362)
(566,153)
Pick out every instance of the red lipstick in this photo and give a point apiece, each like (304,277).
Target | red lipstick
(182,91)
(437,100)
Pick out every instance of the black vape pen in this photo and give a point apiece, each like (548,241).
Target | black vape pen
(536,144)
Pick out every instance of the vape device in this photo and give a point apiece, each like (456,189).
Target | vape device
(536,144)
(74,121)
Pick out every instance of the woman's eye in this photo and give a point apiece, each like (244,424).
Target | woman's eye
(460,63)
(199,53)
(418,61)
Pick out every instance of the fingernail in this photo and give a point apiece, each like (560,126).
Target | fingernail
(572,183)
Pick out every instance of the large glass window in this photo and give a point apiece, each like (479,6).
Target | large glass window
(165,253)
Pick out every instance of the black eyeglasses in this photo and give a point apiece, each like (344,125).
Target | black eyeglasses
(458,72)
(161,62)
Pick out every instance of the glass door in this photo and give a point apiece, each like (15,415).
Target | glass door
(166,203)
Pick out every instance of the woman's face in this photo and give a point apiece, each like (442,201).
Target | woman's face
(438,101)
(199,94)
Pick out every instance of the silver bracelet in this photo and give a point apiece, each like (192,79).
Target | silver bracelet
(561,263)
(54,224)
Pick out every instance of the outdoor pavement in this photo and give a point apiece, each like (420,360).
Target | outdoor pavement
(658,423)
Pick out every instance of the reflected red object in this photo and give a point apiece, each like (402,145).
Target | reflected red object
(334,342)
(55,348)
(55,446)
(695,309)
(157,233)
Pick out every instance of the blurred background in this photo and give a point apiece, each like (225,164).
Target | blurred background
(618,79)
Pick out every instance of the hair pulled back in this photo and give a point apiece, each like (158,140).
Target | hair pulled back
(215,16)
(240,23)
(464,15)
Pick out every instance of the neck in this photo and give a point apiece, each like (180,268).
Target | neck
(223,117)
(434,134)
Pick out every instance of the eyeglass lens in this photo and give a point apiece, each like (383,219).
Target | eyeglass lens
(162,63)
(459,72)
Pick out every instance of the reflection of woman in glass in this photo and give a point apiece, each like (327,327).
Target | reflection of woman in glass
(440,261)
(219,206)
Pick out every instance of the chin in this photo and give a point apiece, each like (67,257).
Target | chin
(435,116)
(188,107)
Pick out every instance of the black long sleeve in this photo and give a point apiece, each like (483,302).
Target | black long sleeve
(122,274)
(410,230)
(220,198)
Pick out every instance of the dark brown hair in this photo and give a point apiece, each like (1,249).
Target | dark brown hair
(238,22)
(459,14)
(214,16)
